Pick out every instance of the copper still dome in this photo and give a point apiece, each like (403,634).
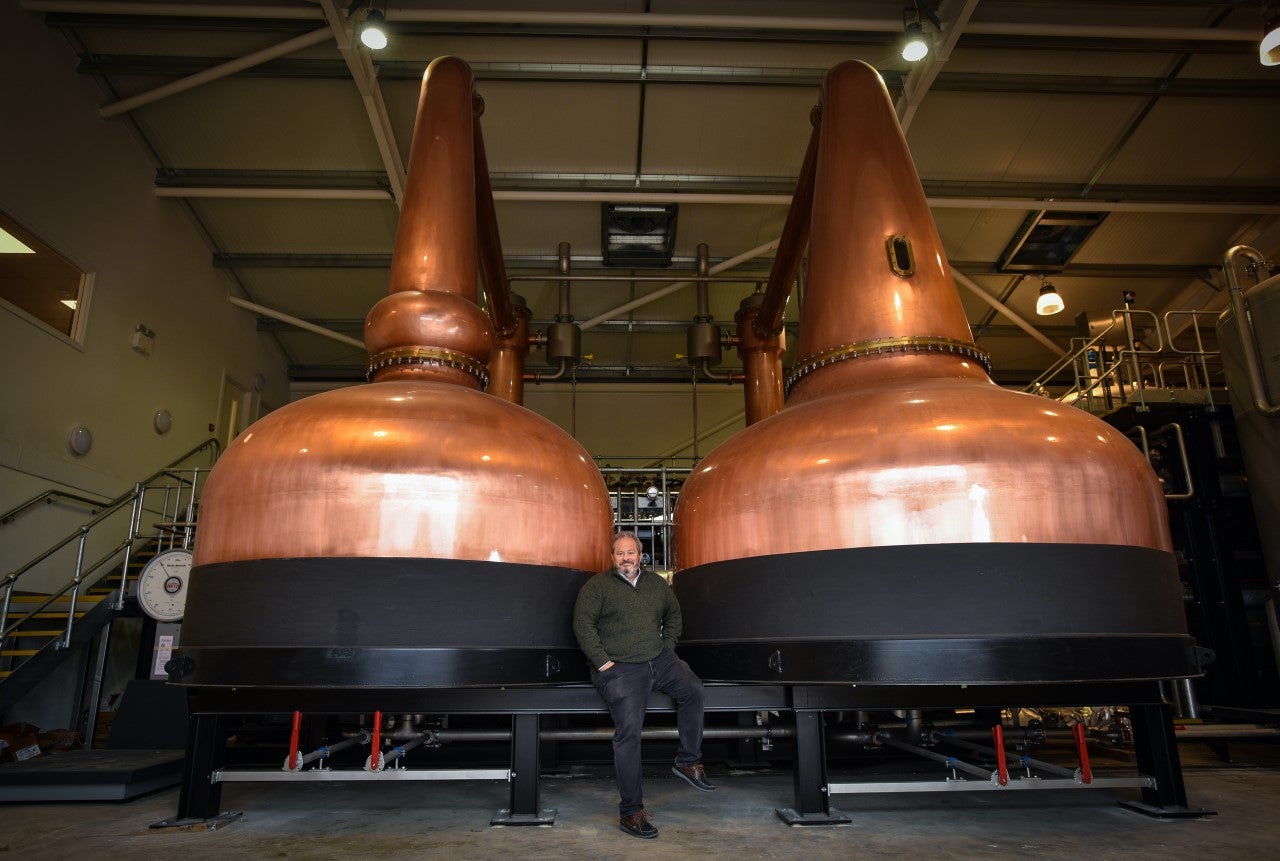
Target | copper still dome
(414,531)
(903,519)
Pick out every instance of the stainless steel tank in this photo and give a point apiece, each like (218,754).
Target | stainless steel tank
(1249,338)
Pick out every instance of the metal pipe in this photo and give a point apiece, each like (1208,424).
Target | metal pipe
(792,243)
(1027,204)
(672,288)
(1025,760)
(761,362)
(704,366)
(1244,325)
(948,761)
(397,753)
(510,349)
(75,588)
(704,266)
(605,733)
(1190,705)
(536,377)
(325,751)
(1186,466)
(222,70)
(565,314)
(135,519)
(295,321)
(698,279)
(493,270)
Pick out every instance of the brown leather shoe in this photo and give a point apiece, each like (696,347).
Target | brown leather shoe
(637,825)
(695,775)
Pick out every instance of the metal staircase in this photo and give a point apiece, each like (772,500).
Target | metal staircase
(42,628)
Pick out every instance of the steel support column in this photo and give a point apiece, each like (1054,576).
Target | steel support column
(525,766)
(813,802)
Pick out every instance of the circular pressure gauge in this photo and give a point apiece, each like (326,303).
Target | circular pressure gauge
(162,585)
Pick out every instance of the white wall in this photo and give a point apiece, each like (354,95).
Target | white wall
(84,185)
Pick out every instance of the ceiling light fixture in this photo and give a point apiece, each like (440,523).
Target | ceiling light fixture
(914,47)
(1269,47)
(915,43)
(373,32)
(1048,302)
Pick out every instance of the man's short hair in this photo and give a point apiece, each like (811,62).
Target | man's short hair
(626,533)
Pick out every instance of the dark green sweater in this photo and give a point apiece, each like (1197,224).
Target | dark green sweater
(615,621)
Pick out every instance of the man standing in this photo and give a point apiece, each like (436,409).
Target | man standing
(627,621)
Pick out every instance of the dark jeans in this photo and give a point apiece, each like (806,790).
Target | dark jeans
(625,688)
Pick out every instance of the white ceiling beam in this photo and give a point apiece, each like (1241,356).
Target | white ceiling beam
(1028,204)
(736,418)
(222,70)
(366,80)
(769,22)
(295,321)
(178,10)
(964,281)
(644,19)
(955,18)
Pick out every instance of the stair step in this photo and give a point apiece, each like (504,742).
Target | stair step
(17,653)
(61,599)
(53,614)
(4,674)
(21,634)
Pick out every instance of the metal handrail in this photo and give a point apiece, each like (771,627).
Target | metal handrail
(1117,372)
(47,496)
(1259,268)
(135,497)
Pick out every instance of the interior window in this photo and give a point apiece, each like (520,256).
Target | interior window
(39,281)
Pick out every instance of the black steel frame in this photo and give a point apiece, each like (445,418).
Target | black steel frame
(200,797)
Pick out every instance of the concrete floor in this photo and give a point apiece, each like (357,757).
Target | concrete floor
(416,820)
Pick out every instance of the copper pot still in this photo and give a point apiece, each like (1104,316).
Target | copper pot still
(414,531)
(903,519)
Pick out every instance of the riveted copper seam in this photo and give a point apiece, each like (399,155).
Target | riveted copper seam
(428,356)
(881,346)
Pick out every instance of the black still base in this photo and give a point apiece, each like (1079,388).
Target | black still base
(379,623)
(938,614)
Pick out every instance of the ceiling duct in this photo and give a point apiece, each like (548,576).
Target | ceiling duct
(1047,240)
(638,235)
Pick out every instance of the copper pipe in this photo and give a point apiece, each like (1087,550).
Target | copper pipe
(506,366)
(761,362)
(791,246)
(493,270)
